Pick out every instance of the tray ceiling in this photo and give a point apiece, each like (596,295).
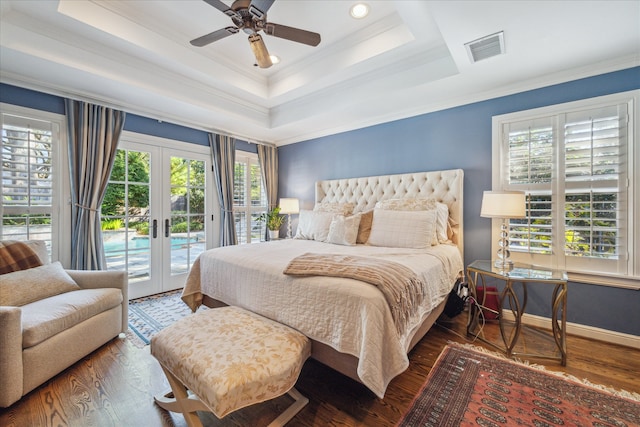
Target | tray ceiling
(405,58)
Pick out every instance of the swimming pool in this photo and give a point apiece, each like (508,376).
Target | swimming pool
(141,243)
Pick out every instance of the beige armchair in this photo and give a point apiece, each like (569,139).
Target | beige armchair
(41,338)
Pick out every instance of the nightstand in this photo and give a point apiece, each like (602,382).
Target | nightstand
(512,303)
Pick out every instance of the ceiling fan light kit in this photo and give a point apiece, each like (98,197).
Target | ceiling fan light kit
(250,16)
(263,59)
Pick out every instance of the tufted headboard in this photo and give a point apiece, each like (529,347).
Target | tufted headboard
(444,186)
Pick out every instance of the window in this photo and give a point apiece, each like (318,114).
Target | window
(574,162)
(31,175)
(249,198)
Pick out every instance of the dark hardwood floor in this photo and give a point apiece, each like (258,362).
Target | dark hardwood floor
(114,386)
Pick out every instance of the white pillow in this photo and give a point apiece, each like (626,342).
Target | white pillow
(402,229)
(344,230)
(313,225)
(416,204)
(442,221)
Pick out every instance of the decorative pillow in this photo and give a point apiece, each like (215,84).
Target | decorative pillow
(406,204)
(40,248)
(345,209)
(26,286)
(417,204)
(366,218)
(17,256)
(344,230)
(442,222)
(313,225)
(402,229)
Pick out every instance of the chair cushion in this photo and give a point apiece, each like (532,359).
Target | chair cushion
(231,358)
(26,286)
(45,318)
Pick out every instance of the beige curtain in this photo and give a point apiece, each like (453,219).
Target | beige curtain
(268,158)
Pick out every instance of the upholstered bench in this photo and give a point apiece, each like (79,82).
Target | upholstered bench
(229,358)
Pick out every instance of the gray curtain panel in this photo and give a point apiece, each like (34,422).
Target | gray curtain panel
(268,158)
(223,152)
(94,132)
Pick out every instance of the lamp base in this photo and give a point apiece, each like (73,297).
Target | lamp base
(503,264)
(503,261)
(288,226)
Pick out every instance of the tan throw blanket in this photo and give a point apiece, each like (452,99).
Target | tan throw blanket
(402,289)
(16,256)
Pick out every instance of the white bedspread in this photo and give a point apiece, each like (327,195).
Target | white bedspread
(350,316)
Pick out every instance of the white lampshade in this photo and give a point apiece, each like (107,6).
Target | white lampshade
(289,206)
(503,204)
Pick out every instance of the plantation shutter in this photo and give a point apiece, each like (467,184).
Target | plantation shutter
(595,183)
(530,167)
(573,169)
(27,186)
(249,198)
(239,199)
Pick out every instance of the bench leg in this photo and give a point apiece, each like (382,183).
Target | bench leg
(299,402)
(179,400)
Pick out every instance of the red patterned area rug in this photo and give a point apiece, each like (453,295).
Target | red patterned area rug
(474,388)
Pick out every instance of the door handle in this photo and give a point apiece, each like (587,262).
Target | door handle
(166,228)
(155,228)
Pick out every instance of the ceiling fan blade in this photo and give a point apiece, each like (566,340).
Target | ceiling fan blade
(259,8)
(293,34)
(260,51)
(222,8)
(215,36)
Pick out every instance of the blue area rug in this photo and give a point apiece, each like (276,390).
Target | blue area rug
(150,315)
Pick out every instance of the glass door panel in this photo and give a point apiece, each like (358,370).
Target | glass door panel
(125,215)
(155,216)
(187,188)
(187,213)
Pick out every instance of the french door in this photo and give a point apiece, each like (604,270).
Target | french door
(157,213)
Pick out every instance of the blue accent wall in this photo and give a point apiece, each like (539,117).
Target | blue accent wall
(460,137)
(55,104)
(454,138)
(31,99)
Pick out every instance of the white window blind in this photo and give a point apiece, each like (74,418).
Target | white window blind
(573,164)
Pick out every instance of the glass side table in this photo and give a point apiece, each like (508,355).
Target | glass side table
(511,331)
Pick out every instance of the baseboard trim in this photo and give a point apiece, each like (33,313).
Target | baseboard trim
(580,330)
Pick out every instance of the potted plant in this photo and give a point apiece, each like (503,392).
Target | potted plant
(273,220)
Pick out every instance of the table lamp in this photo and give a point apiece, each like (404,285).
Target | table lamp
(504,205)
(289,206)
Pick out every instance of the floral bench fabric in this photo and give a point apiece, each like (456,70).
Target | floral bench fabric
(231,358)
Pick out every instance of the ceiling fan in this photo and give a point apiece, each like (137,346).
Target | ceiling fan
(250,16)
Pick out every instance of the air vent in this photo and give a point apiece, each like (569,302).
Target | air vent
(486,47)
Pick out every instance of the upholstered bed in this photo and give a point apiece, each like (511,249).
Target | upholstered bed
(353,325)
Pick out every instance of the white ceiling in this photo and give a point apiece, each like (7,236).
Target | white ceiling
(406,58)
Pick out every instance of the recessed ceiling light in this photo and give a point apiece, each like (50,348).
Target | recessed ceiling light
(359,10)
(274,59)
